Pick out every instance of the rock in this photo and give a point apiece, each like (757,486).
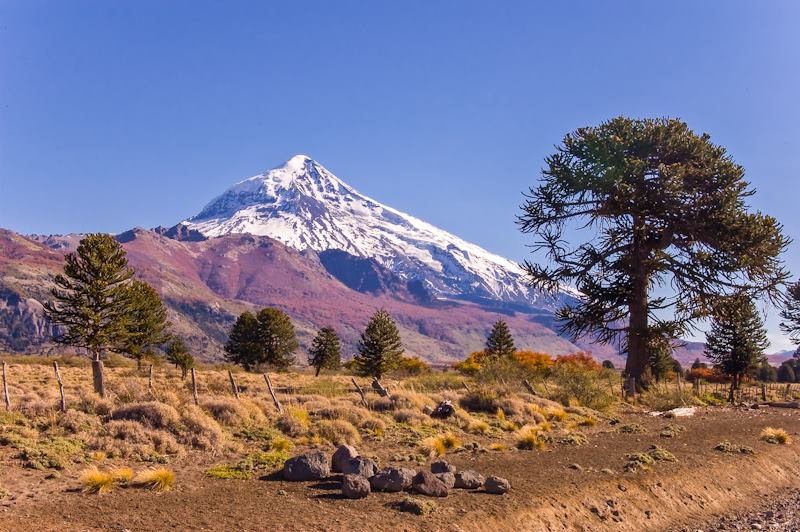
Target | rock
(426,483)
(497,485)
(427,410)
(442,466)
(359,466)
(443,410)
(417,506)
(468,480)
(355,486)
(312,465)
(342,454)
(392,479)
(448,479)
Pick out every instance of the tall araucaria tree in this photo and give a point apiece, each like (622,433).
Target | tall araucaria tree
(499,342)
(91,300)
(662,227)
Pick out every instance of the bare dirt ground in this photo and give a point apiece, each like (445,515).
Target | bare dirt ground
(562,488)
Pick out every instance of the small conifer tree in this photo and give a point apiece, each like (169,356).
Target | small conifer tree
(500,343)
(380,347)
(145,321)
(178,354)
(326,350)
(737,339)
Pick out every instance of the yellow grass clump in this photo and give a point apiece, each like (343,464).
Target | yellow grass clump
(122,475)
(528,438)
(777,436)
(157,479)
(439,445)
(96,481)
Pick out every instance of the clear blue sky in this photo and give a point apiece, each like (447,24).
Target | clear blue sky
(117,114)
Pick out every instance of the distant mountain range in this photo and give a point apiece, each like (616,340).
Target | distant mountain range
(300,239)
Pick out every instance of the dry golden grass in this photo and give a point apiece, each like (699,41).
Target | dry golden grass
(776,436)
(96,481)
(439,445)
(122,475)
(157,479)
(529,438)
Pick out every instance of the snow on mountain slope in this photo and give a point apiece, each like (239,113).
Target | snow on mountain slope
(304,205)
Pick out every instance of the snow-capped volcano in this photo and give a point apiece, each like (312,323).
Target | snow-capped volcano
(303,205)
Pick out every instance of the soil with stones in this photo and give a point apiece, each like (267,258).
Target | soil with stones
(566,487)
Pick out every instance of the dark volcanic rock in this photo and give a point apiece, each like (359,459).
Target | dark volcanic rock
(313,465)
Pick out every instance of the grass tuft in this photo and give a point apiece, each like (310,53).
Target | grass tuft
(157,479)
(96,481)
(776,436)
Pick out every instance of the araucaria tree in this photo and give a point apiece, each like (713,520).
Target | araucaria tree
(326,350)
(791,315)
(500,343)
(178,354)
(737,339)
(145,321)
(380,348)
(661,207)
(91,300)
(266,338)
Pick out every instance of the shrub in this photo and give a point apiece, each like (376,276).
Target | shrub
(578,379)
(574,438)
(338,431)
(672,431)
(478,427)
(408,366)
(231,412)
(294,422)
(632,428)
(776,436)
(529,438)
(417,506)
(480,401)
(157,479)
(248,466)
(200,430)
(728,447)
(705,374)
(534,362)
(472,364)
(152,413)
(96,481)
(411,417)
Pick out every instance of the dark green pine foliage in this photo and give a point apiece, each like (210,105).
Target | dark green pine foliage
(243,346)
(91,297)
(268,338)
(661,349)
(634,205)
(380,347)
(500,343)
(786,372)
(326,350)
(737,339)
(145,321)
(791,315)
(178,354)
(767,372)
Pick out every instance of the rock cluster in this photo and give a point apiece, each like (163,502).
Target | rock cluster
(361,476)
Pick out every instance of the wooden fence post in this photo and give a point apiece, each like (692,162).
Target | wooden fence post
(361,392)
(530,388)
(5,389)
(150,380)
(464,383)
(233,384)
(379,388)
(272,393)
(194,387)
(60,387)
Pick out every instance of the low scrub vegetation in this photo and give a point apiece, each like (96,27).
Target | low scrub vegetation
(775,435)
